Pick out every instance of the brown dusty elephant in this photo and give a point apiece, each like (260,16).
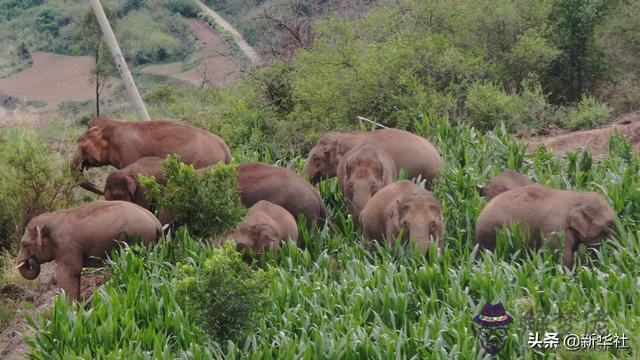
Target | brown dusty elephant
(362,172)
(583,217)
(120,143)
(264,228)
(410,152)
(404,206)
(281,186)
(507,180)
(74,238)
(256,181)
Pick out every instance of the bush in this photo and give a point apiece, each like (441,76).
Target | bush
(225,295)
(207,203)
(589,113)
(33,180)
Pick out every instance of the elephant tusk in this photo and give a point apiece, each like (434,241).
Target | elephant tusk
(21,264)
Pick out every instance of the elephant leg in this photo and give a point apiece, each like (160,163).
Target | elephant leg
(570,245)
(68,278)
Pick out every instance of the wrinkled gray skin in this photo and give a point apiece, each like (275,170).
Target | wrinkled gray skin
(256,181)
(362,172)
(507,180)
(405,206)
(263,229)
(410,152)
(74,238)
(121,143)
(583,217)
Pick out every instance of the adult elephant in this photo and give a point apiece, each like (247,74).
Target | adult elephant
(121,143)
(583,217)
(82,237)
(410,152)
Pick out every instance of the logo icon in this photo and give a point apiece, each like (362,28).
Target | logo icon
(493,321)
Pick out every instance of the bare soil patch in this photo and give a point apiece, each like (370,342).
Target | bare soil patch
(596,140)
(53,79)
(210,64)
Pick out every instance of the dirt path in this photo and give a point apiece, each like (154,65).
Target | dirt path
(248,50)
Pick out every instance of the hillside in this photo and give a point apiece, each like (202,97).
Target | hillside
(549,89)
(163,42)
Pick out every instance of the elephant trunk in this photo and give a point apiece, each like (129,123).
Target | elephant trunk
(421,236)
(360,197)
(77,160)
(29,269)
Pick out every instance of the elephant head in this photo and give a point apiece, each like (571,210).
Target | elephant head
(37,247)
(592,218)
(364,178)
(418,218)
(323,159)
(120,187)
(91,150)
(257,238)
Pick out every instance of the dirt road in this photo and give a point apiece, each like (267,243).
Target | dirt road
(242,44)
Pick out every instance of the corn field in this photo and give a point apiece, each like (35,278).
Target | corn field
(334,298)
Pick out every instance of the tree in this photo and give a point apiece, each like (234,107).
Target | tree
(89,36)
(23,52)
(581,63)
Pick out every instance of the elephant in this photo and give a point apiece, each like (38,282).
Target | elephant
(281,186)
(120,144)
(583,217)
(124,184)
(506,181)
(362,172)
(256,181)
(404,206)
(81,237)
(414,154)
(263,229)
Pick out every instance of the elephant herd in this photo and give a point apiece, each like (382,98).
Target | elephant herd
(366,164)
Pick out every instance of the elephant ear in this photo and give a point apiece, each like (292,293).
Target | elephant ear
(42,233)
(392,225)
(580,220)
(132,186)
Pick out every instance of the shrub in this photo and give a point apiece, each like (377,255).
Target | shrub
(488,106)
(33,180)
(589,113)
(206,203)
(225,294)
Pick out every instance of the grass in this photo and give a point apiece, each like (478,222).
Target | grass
(333,298)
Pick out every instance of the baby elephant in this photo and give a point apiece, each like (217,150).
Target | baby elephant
(584,217)
(507,180)
(266,225)
(404,206)
(362,172)
(74,237)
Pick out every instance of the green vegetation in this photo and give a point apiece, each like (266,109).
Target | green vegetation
(33,180)
(225,294)
(480,63)
(149,31)
(465,75)
(336,299)
(206,203)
